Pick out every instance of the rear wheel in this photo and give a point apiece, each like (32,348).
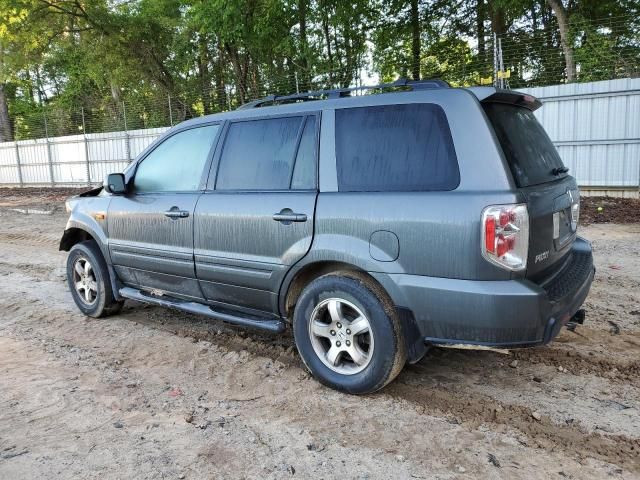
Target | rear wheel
(347,335)
(89,282)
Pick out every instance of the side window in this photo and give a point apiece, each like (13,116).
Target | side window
(395,148)
(304,172)
(259,154)
(176,164)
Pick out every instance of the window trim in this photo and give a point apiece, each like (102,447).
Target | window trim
(212,179)
(205,168)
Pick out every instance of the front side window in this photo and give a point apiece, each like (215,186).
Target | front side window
(259,154)
(397,148)
(176,164)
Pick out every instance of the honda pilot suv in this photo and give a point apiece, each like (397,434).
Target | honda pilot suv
(374,225)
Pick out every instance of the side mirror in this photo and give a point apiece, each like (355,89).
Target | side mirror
(115,183)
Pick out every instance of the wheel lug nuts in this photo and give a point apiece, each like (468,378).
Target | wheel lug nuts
(333,332)
(338,343)
(348,332)
(339,325)
(348,343)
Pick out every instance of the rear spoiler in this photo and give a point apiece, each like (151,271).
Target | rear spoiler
(510,97)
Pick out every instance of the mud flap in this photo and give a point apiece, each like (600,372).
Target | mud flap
(414,341)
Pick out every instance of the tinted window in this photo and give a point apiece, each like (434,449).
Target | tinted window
(395,148)
(259,154)
(176,164)
(304,172)
(526,146)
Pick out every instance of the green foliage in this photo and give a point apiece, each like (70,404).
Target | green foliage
(157,61)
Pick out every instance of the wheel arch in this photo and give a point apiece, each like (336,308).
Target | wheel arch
(72,236)
(380,284)
(311,271)
(76,233)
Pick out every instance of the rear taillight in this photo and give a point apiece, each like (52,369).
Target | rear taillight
(505,234)
(575,214)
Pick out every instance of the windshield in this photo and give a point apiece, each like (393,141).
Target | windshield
(532,157)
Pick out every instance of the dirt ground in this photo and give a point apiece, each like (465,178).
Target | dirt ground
(152,393)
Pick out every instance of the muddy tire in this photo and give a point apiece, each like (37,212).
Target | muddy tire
(348,334)
(89,282)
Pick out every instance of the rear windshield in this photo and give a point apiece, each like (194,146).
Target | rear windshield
(527,147)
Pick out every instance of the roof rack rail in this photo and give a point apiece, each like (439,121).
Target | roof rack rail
(342,92)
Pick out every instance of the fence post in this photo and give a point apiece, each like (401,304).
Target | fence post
(86,149)
(170,111)
(18,164)
(126,133)
(49,160)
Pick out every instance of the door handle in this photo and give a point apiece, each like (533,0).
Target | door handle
(174,212)
(286,216)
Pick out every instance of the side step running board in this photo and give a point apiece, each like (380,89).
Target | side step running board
(268,324)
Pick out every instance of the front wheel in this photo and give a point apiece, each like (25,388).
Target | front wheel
(346,334)
(88,280)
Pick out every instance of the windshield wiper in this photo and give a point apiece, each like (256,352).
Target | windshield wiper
(559,171)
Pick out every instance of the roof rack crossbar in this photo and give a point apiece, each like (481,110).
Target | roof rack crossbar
(342,92)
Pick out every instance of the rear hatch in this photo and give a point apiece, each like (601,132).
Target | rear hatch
(550,192)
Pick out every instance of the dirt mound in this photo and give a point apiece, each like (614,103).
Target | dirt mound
(609,210)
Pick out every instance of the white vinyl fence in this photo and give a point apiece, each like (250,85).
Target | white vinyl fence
(71,160)
(596,127)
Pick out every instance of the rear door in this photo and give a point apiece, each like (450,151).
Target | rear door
(551,193)
(256,218)
(151,227)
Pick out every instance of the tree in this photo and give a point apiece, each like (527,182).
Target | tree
(562,15)
(163,60)
(6,124)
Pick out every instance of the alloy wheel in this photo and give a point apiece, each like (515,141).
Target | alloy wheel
(341,336)
(84,281)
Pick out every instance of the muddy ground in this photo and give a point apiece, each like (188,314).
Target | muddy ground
(152,393)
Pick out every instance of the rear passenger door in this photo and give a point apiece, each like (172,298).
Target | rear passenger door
(256,218)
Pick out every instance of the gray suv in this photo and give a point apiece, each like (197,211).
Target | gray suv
(374,225)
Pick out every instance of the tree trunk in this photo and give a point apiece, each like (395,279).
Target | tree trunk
(304,44)
(415,40)
(563,25)
(221,92)
(480,17)
(6,127)
(203,74)
(497,19)
(239,72)
(327,38)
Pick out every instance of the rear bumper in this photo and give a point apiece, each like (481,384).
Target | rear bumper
(512,313)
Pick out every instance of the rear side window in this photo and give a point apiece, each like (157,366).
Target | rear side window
(532,157)
(395,148)
(259,154)
(304,173)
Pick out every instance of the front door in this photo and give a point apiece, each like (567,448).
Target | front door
(256,218)
(151,227)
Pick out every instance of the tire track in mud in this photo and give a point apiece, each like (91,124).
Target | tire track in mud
(474,410)
(41,272)
(579,363)
(29,238)
(274,347)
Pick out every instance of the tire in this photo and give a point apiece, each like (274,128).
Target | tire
(90,286)
(325,310)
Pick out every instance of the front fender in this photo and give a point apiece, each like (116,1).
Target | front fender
(88,214)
